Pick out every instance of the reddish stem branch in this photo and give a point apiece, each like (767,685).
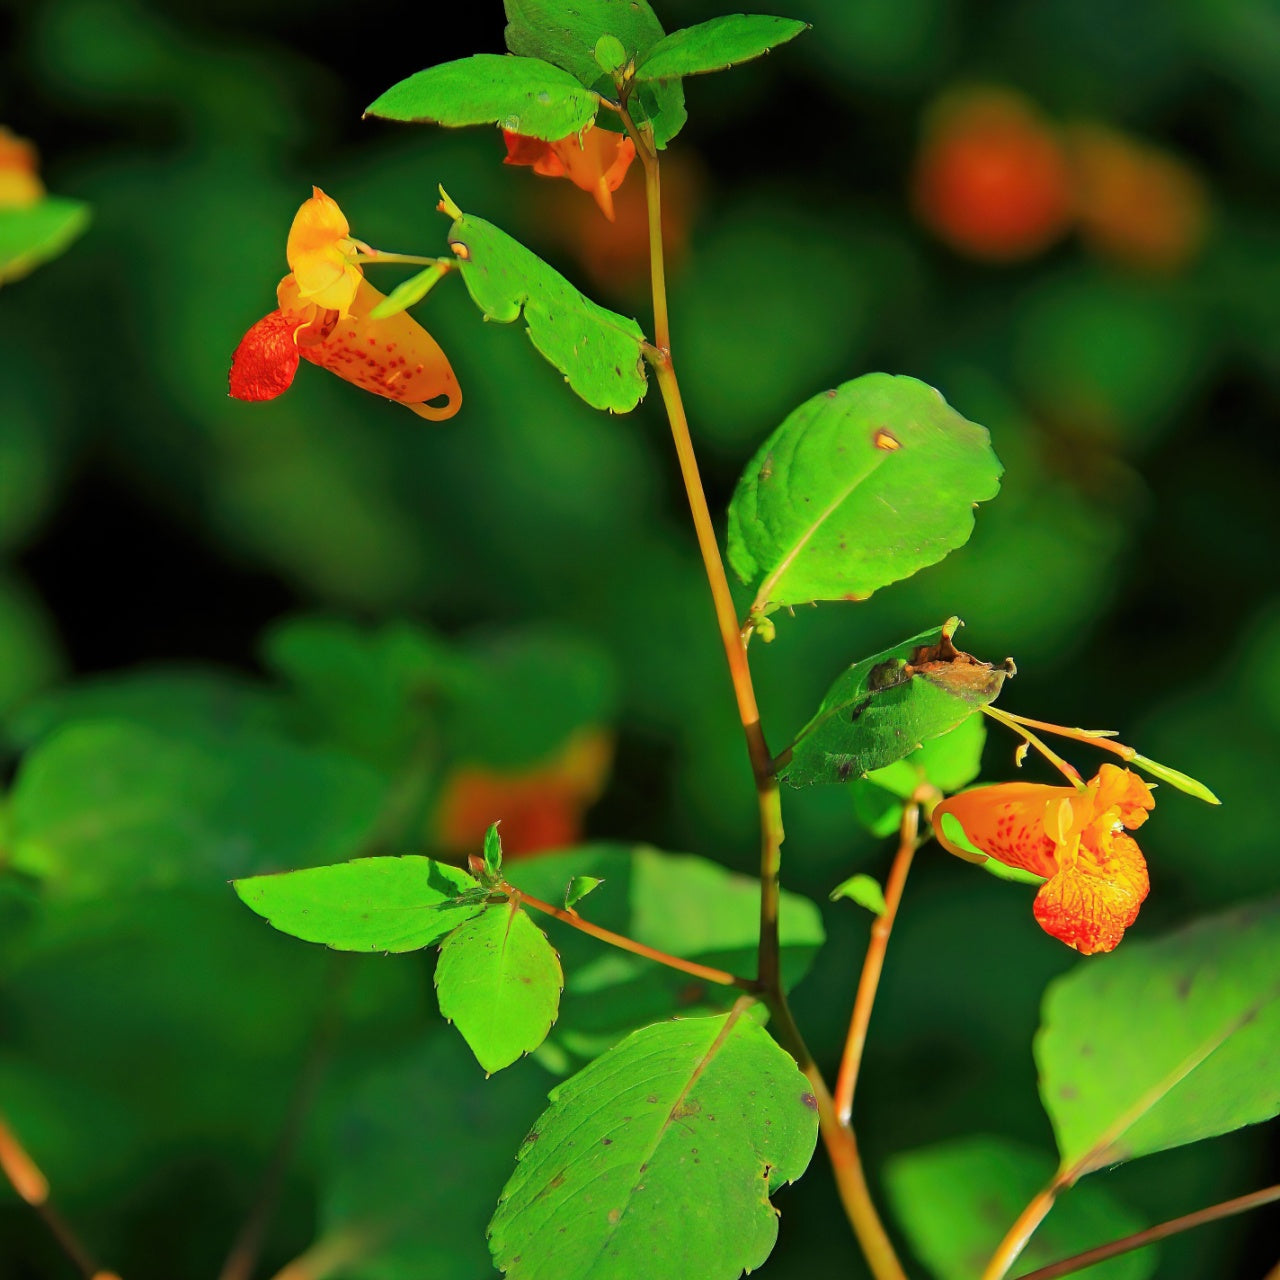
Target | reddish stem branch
(719,976)
(1139,1239)
(855,1042)
(27,1179)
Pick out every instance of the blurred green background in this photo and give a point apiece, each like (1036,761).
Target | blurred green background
(150,1029)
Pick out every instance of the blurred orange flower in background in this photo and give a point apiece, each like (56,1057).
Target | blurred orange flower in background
(20,184)
(323,316)
(1096,877)
(596,160)
(991,178)
(1137,204)
(540,808)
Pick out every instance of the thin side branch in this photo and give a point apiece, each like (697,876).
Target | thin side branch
(855,1042)
(31,1185)
(1140,1239)
(720,977)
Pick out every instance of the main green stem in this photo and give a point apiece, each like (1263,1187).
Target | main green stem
(841,1145)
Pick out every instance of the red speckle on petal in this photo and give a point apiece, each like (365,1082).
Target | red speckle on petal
(266,359)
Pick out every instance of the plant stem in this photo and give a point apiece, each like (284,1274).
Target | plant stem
(1078,1262)
(842,1150)
(243,1256)
(27,1179)
(855,1042)
(1022,1231)
(719,976)
(839,1138)
(328,1254)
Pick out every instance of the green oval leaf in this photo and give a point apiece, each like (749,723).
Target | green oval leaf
(659,1159)
(863,889)
(598,351)
(498,981)
(370,904)
(525,95)
(1164,1043)
(567,33)
(41,231)
(884,707)
(956,1200)
(716,45)
(859,487)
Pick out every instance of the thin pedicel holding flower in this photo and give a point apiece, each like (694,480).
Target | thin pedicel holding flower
(1075,837)
(325,316)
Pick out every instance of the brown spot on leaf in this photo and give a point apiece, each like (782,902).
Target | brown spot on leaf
(615,1216)
(959,673)
(460,250)
(886,440)
(1068,1093)
(809,1101)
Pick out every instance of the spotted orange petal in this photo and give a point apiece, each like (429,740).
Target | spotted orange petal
(1007,822)
(396,357)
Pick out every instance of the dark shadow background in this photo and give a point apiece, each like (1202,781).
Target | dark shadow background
(1129,565)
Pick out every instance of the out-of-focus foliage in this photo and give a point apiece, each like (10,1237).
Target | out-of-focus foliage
(150,1027)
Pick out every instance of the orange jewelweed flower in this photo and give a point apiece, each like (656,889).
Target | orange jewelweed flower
(595,160)
(20,185)
(323,317)
(1096,875)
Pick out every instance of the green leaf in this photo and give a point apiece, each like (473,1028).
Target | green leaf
(956,1200)
(610,55)
(659,1159)
(498,981)
(105,806)
(492,852)
(369,904)
(1164,1043)
(948,763)
(859,487)
(597,350)
(37,233)
(686,906)
(524,95)
(716,45)
(864,890)
(885,707)
(578,888)
(567,32)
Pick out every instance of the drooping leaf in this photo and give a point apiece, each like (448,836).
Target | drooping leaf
(414,1115)
(32,235)
(863,889)
(498,981)
(859,487)
(693,1122)
(1165,1042)
(716,45)
(955,1202)
(369,904)
(885,707)
(948,763)
(597,350)
(567,32)
(107,806)
(686,906)
(524,95)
